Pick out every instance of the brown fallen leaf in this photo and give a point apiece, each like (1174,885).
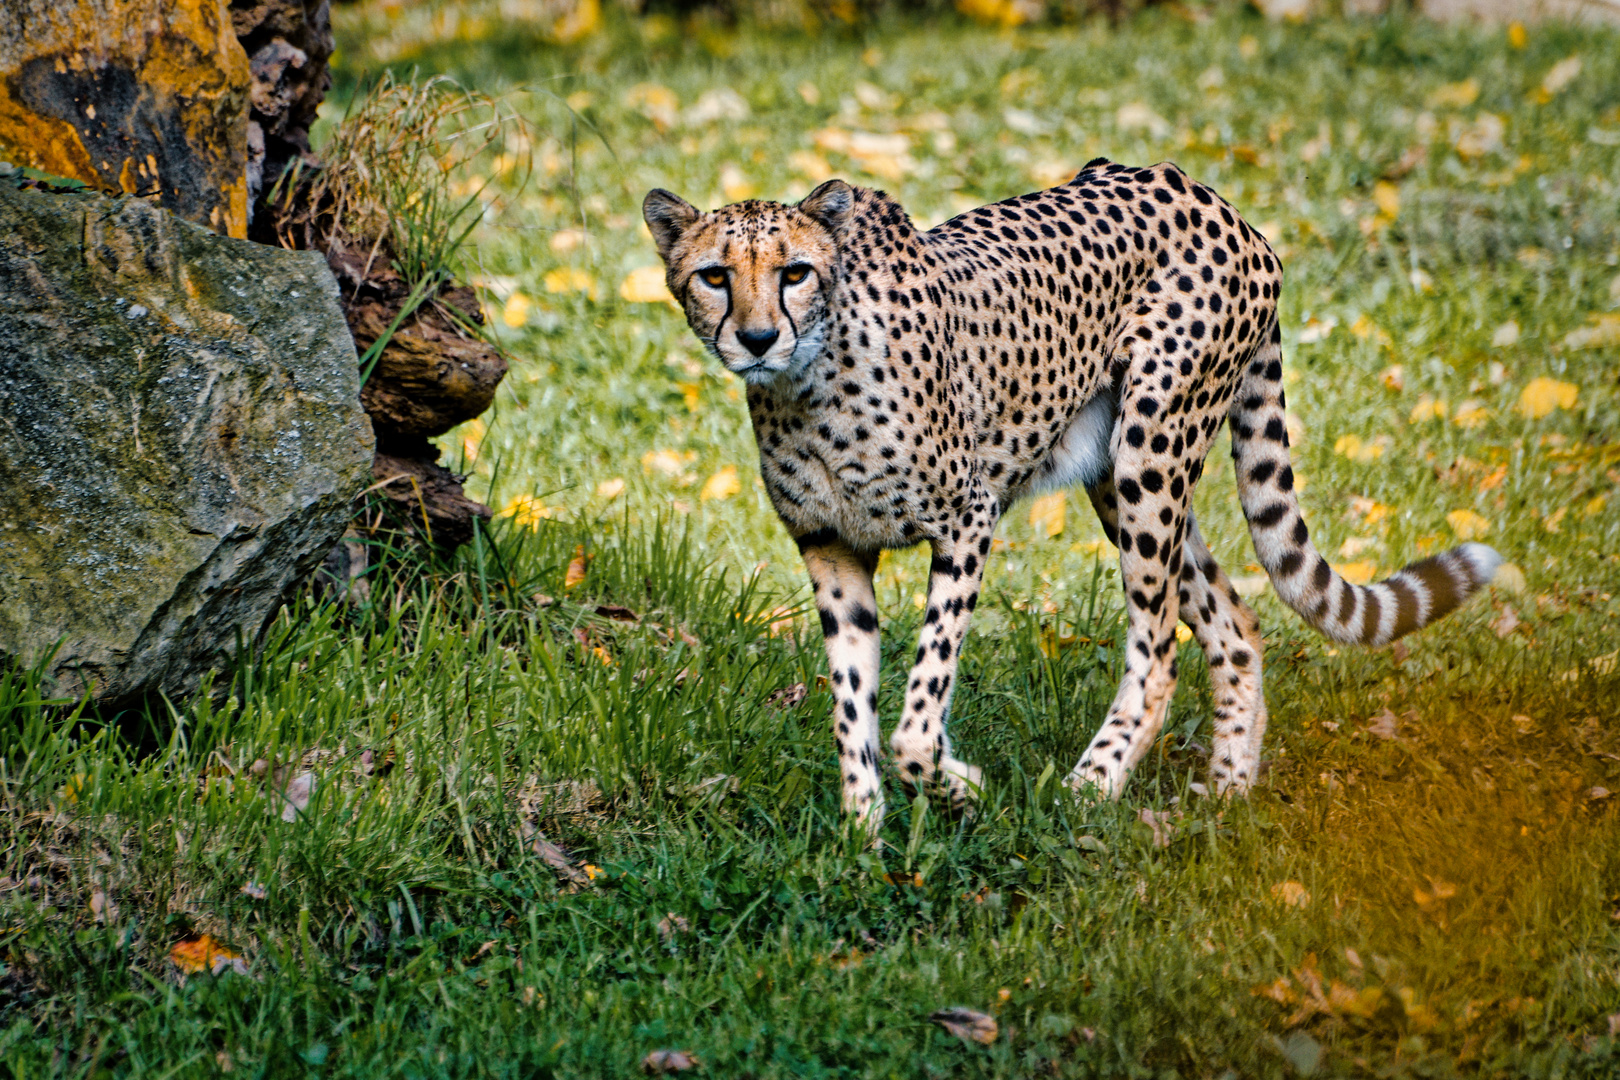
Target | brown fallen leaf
(1291,894)
(1162,822)
(1383,725)
(899,879)
(296,795)
(787,697)
(1411,159)
(1505,623)
(967,1025)
(553,856)
(669,1061)
(617,612)
(577,567)
(202,953)
(103,907)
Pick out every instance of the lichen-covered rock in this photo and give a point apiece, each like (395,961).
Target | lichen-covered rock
(181,439)
(148,97)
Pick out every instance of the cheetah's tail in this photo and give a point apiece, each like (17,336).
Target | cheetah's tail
(1410,599)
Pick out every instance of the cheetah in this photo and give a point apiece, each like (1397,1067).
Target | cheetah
(908,387)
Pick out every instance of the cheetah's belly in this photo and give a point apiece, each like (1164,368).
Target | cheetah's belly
(1082,454)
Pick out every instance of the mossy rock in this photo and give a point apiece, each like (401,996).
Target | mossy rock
(181,439)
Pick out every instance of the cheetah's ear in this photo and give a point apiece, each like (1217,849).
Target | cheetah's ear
(829,204)
(667,216)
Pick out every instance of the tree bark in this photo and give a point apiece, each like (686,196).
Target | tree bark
(143,97)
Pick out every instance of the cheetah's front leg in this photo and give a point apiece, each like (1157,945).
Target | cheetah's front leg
(842,582)
(921,748)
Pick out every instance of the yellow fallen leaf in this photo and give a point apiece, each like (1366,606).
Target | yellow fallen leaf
(1352,447)
(1428,407)
(565,240)
(578,22)
(1290,894)
(1316,330)
(1342,1000)
(810,164)
(722,485)
(611,489)
(1541,396)
(570,279)
(657,103)
(1353,546)
(1481,136)
(1509,577)
(515,313)
(1595,506)
(667,462)
(1468,525)
(1388,198)
(734,185)
(1005,13)
(527,511)
(1552,521)
(577,567)
(691,393)
(1357,573)
(1138,116)
(472,437)
(1560,75)
(1420,1018)
(1470,414)
(1457,95)
(75,787)
(1517,38)
(1047,513)
(1603,333)
(1052,643)
(593,872)
(203,953)
(1049,174)
(645,285)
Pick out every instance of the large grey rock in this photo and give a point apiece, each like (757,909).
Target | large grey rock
(181,439)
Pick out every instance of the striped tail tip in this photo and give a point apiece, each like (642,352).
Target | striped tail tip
(1426,591)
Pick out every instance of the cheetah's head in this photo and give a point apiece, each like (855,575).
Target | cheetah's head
(756,278)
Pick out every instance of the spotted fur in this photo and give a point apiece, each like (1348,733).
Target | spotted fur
(908,387)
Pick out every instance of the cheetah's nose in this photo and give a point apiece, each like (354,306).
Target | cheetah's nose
(757,341)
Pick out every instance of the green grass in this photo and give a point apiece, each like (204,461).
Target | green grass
(1460,882)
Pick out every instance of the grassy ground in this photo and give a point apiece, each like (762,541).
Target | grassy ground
(1427,884)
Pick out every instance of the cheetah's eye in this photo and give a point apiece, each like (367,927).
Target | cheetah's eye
(796,273)
(714,276)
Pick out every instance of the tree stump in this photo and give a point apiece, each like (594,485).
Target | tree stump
(143,97)
(201,106)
